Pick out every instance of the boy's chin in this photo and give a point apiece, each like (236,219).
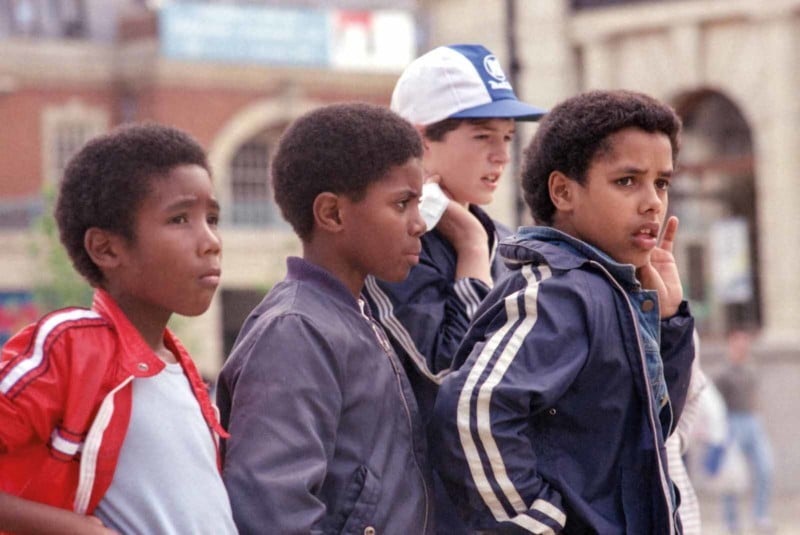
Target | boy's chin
(484,200)
(194,310)
(392,277)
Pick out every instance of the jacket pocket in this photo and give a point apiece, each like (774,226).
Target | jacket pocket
(358,503)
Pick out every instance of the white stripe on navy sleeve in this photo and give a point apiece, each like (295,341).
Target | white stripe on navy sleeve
(515,329)
(398,331)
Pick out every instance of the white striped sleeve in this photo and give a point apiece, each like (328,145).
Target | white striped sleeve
(467,294)
(484,458)
(397,330)
(23,367)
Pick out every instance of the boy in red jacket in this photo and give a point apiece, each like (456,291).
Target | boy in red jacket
(102,411)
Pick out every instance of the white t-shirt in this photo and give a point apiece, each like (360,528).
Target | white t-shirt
(166,480)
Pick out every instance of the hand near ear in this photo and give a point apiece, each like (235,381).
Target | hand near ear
(467,236)
(661,273)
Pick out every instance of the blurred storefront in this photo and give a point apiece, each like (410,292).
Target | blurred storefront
(232,74)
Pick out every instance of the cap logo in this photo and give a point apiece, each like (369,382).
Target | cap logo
(493,69)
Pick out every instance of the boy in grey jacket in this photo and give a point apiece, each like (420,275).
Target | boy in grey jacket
(325,433)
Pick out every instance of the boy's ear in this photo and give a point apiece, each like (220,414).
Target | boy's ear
(103,247)
(560,186)
(327,209)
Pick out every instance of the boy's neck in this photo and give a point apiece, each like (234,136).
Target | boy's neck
(328,258)
(564,226)
(151,326)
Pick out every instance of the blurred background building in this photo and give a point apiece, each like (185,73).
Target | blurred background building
(234,74)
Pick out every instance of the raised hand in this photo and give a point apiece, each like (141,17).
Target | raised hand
(661,272)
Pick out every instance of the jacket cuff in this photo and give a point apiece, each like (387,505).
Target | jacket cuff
(470,292)
(683,312)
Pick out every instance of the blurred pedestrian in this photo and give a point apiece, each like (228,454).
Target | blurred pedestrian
(738,384)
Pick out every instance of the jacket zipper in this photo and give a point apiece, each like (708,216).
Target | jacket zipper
(386,348)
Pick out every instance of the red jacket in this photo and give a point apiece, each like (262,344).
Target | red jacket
(65,402)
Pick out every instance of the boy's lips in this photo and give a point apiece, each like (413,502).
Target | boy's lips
(211,277)
(490,180)
(646,236)
(414,255)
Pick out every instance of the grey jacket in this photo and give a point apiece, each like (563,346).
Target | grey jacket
(325,433)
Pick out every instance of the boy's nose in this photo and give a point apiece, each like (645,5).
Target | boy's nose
(210,241)
(652,201)
(501,155)
(417,226)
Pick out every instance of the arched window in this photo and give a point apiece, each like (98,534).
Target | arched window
(714,194)
(251,190)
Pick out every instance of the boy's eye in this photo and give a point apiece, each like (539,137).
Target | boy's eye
(179,219)
(625,181)
(662,183)
(213,220)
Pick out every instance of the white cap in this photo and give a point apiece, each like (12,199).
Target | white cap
(458,81)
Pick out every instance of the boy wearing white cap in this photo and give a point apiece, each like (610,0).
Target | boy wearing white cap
(465,109)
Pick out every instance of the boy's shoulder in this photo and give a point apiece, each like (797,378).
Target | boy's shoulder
(72,322)
(297,298)
(549,268)
(303,323)
(541,245)
(57,337)
(293,305)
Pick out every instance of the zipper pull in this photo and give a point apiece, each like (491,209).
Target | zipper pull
(379,334)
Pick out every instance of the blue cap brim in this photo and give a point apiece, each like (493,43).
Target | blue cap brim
(502,109)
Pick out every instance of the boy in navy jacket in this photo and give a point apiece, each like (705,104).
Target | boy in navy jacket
(465,109)
(577,364)
(325,433)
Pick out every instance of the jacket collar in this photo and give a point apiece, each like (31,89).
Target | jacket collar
(563,252)
(135,356)
(300,269)
(137,359)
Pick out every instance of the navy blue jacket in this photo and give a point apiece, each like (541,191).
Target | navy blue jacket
(427,315)
(550,426)
(325,433)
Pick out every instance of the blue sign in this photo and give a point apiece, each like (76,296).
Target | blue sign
(17,310)
(245,34)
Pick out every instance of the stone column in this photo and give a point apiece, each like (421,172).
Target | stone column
(778,185)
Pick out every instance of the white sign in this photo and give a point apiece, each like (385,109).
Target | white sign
(730,260)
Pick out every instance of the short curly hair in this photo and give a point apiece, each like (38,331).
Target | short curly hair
(574,132)
(340,148)
(106,181)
